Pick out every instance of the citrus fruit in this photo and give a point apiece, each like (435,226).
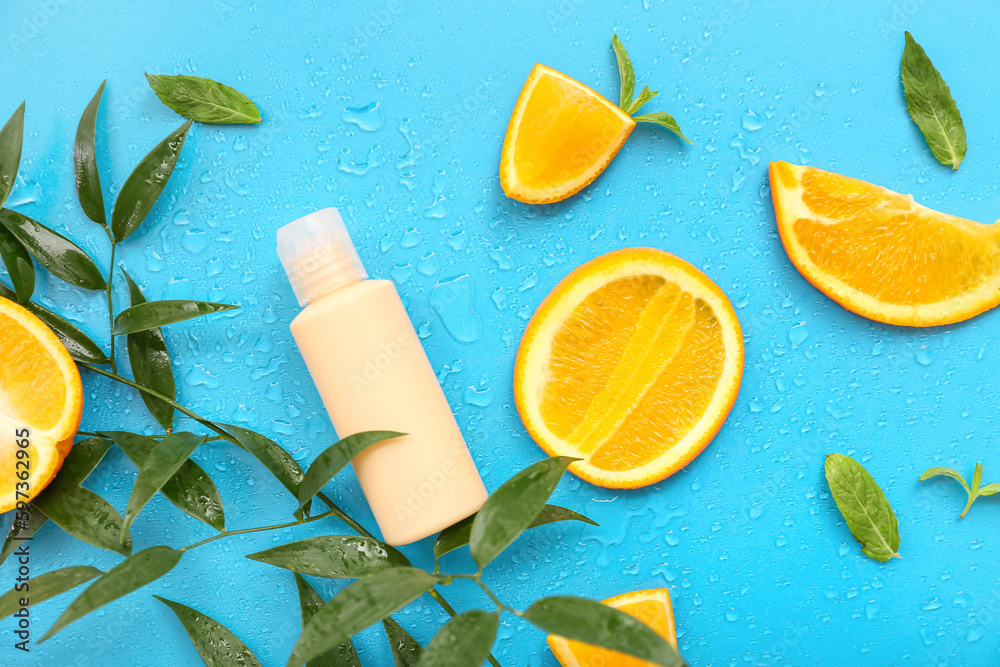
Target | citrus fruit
(880,254)
(41,401)
(560,137)
(652,607)
(631,364)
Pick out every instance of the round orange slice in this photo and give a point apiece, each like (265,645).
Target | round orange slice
(652,607)
(631,364)
(41,401)
(880,254)
(561,136)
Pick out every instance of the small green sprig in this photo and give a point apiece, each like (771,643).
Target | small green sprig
(630,105)
(974,492)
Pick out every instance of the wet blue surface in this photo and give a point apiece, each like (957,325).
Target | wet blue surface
(395,113)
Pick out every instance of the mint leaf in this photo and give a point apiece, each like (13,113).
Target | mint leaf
(945,472)
(864,506)
(931,105)
(204,100)
(645,96)
(663,119)
(625,73)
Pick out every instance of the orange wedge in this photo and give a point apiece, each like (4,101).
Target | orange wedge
(880,254)
(631,363)
(561,136)
(652,607)
(41,401)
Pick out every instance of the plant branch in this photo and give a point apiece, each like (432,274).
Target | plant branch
(334,509)
(111,309)
(227,533)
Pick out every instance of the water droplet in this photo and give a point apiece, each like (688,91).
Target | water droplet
(369,117)
(797,334)
(452,300)
(428,264)
(438,208)
(871,611)
(480,397)
(732,616)
(410,238)
(751,121)
(923,357)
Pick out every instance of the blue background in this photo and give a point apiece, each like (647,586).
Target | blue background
(761,568)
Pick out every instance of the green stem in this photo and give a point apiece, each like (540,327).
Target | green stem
(111,309)
(155,394)
(227,533)
(334,509)
(437,597)
(968,506)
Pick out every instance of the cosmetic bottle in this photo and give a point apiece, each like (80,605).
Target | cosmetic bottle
(373,375)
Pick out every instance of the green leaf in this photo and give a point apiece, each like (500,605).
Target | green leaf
(990,489)
(662,119)
(512,508)
(406,650)
(25,524)
(457,535)
(11,138)
(366,601)
(154,314)
(333,556)
(150,361)
(63,258)
(310,602)
(335,458)
(159,466)
(83,457)
(86,516)
(131,574)
(145,184)
(593,623)
(215,643)
(79,345)
(977,478)
(931,105)
(191,490)
(204,100)
(465,640)
(88,178)
(278,462)
(645,96)
(625,73)
(864,506)
(19,266)
(46,586)
(945,472)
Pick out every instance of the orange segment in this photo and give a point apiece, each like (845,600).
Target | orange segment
(652,607)
(561,136)
(40,397)
(631,363)
(882,255)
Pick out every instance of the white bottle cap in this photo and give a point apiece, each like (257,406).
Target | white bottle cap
(318,255)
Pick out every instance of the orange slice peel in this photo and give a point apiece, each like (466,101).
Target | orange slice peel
(652,607)
(632,364)
(882,255)
(41,403)
(562,134)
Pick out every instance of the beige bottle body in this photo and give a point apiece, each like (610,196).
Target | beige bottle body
(373,375)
